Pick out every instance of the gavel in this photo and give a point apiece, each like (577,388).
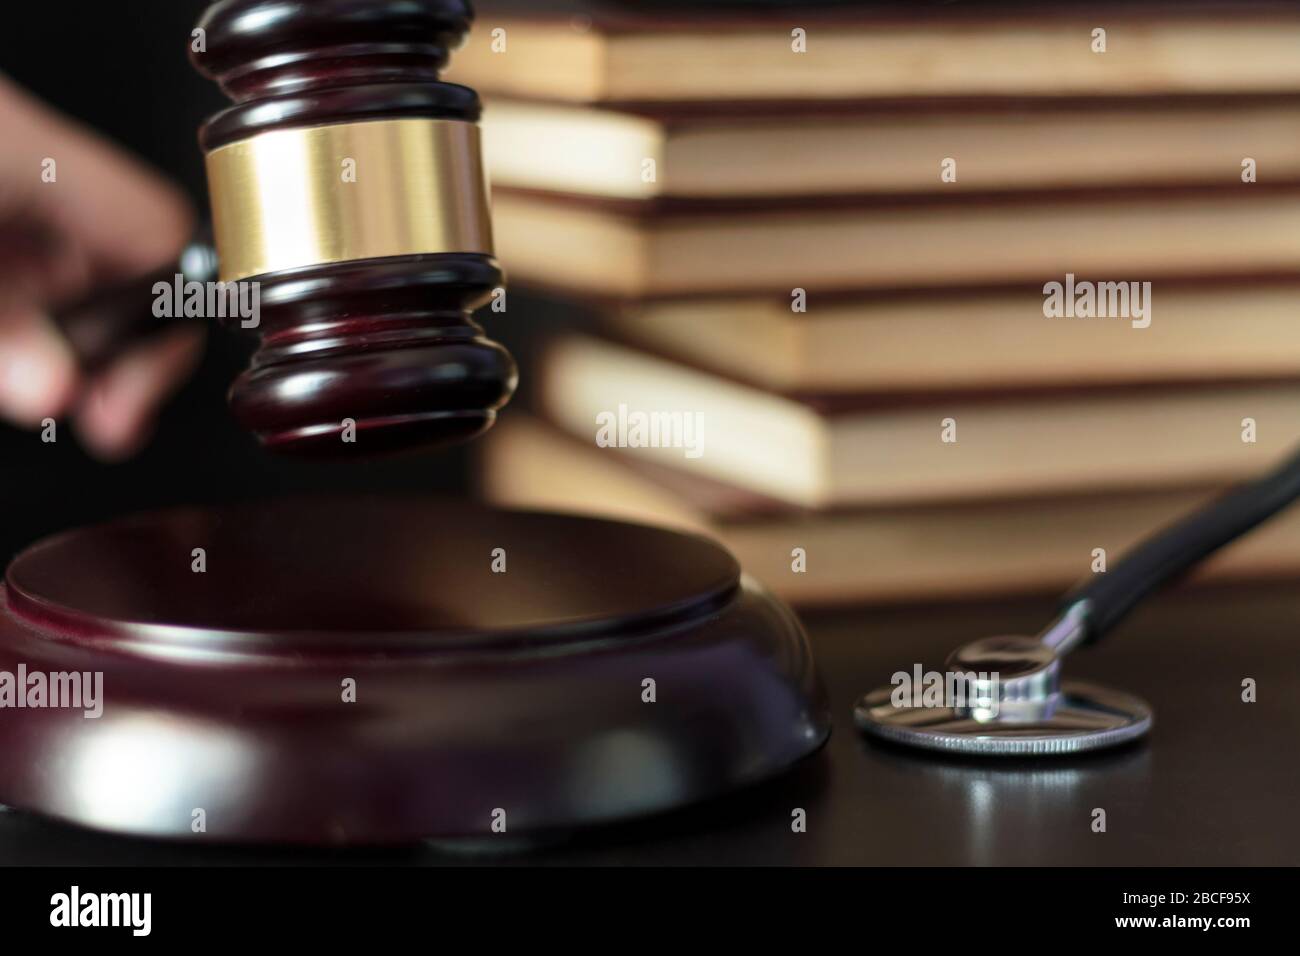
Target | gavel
(346,182)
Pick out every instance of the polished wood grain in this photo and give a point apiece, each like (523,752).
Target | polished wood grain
(1214,785)
(370,671)
(475,689)
(388,344)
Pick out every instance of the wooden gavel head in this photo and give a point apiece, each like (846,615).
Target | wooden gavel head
(346,182)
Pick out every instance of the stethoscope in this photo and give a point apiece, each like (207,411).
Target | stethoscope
(1012,701)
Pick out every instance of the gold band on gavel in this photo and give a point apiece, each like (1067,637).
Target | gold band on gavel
(301,197)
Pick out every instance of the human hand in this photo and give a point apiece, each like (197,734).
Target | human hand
(96,216)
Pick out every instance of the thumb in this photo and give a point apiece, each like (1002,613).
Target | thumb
(38,372)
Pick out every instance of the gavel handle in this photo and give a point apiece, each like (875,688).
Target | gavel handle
(108,321)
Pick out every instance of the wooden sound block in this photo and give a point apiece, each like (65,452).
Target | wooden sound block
(384,671)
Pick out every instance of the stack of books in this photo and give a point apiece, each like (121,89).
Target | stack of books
(897,305)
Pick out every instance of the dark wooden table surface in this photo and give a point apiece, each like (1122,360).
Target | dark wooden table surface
(1218,783)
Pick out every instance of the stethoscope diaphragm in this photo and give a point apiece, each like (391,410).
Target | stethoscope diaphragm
(1088,717)
(1010,700)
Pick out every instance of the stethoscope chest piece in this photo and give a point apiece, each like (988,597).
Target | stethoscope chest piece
(1011,701)
(1002,696)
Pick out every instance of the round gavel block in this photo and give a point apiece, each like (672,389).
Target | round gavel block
(347,188)
(384,671)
